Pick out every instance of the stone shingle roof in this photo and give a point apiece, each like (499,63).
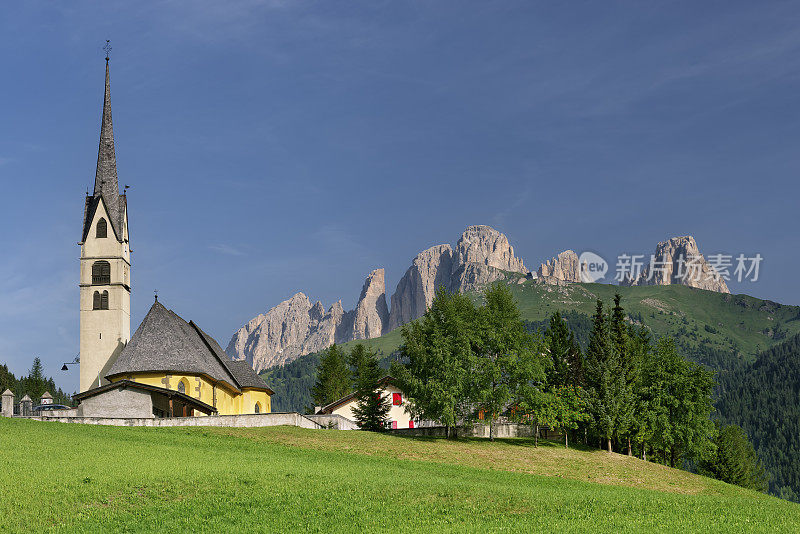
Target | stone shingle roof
(106,185)
(164,342)
(246,375)
(92,203)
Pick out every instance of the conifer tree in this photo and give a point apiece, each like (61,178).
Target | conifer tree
(626,358)
(333,377)
(604,379)
(735,460)
(372,407)
(35,383)
(565,354)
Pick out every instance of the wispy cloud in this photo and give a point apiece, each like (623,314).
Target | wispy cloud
(228,250)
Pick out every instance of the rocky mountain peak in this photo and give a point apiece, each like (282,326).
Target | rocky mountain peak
(372,313)
(679,261)
(430,270)
(565,267)
(295,326)
(484,245)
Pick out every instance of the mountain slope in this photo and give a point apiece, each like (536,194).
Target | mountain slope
(764,399)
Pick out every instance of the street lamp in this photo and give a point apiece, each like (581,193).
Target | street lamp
(76,361)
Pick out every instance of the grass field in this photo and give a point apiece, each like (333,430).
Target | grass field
(75,478)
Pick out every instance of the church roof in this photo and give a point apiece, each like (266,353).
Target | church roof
(106,184)
(164,342)
(245,374)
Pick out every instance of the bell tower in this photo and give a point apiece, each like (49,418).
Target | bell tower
(105,277)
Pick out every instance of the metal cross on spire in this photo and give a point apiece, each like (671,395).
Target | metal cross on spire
(107,48)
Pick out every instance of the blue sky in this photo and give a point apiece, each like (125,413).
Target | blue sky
(275,147)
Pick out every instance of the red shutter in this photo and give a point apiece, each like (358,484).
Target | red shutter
(397,399)
(411,424)
(394,425)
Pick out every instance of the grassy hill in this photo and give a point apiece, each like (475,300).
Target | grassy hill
(718,330)
(76,478)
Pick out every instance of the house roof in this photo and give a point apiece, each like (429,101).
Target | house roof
(202,406)
(347,398)
(165,343)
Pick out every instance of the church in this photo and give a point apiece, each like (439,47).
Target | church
(169,367)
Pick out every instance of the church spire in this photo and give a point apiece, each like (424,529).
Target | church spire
(105,181)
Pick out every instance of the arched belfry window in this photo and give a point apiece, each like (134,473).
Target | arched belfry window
(100,300)
(101,272)
(102,228)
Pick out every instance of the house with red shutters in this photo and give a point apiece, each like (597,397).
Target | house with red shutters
(398,417)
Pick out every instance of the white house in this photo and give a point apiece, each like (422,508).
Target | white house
(398,418)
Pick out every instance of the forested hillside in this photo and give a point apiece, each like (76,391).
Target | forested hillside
(721,331)
(764,399)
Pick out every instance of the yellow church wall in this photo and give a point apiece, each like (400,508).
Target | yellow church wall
(228,400)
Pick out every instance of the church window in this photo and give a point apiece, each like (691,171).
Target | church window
(257,409)
(102,228)
(100,300)
(101,272)
(181,387)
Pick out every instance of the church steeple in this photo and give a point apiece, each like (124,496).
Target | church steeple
(105,181)
(105,279)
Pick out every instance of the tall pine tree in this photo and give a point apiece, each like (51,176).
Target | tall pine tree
(604,380)
(372,407)
(333,377)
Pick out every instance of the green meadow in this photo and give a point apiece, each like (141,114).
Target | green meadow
(64,477)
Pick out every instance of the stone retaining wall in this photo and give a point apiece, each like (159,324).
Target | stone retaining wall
(232,421)
(334,421)
(507,430)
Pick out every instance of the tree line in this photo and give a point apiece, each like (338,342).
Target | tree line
(340,374)
(34,384)
(463,363)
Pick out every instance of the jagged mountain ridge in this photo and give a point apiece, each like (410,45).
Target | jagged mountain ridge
(481,256)
(296,327)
